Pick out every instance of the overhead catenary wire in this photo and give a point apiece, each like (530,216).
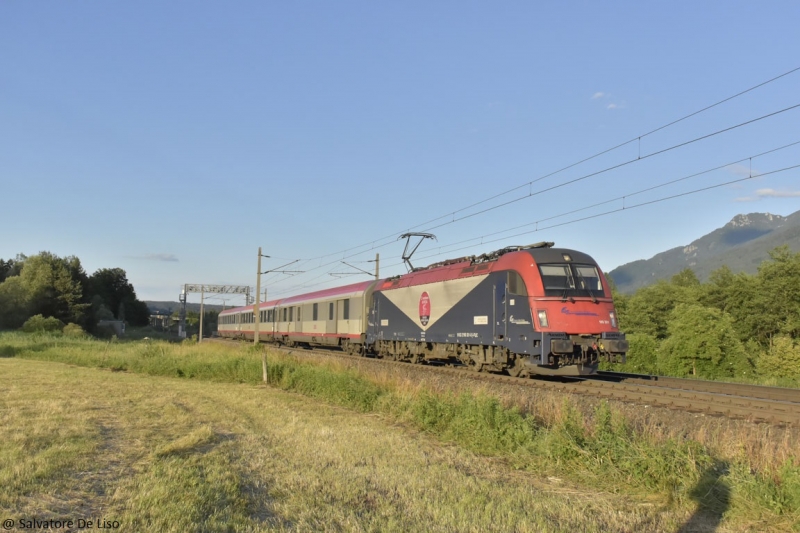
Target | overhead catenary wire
(569,182)
(371,245)
(614,167)
(605,213)
(618,198)
(574,221)
(375,244)
(623,208)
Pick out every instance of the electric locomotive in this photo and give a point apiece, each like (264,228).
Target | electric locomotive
(521,310)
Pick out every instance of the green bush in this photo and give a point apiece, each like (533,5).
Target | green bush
(73,330)
(39,324)
(782,360)
(643,354)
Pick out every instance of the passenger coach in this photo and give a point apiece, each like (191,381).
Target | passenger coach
(330,317)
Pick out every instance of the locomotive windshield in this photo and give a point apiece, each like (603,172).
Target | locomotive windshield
(569,279)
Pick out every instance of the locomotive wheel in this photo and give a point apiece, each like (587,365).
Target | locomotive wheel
(518,370)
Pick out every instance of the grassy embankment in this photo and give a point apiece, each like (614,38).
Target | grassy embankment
(739,483)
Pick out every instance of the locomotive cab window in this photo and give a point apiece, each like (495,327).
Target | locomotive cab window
(568,280)
(588,278)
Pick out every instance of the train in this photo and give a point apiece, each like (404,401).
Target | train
(521,310)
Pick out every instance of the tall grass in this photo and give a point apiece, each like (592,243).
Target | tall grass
(602,450)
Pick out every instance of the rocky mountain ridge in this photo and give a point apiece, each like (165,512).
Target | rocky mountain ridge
(742,244)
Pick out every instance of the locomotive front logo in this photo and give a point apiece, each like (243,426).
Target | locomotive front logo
(424,308)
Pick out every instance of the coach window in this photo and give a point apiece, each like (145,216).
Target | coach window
(291,314)
(299,313)
(346,311)
(314,312)
(330,311)
(284,315)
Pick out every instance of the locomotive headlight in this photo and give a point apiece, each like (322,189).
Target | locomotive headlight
(613,316)
(543,318)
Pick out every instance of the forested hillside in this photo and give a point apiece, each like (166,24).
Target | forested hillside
(742,245)
(57,288)
(733,326)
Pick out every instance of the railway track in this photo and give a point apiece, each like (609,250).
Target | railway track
(738,389)
(755,403)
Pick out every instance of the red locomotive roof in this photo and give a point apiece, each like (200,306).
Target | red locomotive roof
(521,261)
(461,269)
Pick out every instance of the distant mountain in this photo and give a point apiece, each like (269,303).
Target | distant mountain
(166,308)
(742,244)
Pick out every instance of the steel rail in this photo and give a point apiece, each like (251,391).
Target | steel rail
(735,389)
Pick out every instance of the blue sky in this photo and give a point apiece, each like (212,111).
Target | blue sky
(173,138)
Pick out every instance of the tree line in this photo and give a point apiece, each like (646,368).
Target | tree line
(58,287)
(732,326)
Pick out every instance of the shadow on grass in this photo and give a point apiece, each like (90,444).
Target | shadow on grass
(13,351)
(7,351)
(713,496)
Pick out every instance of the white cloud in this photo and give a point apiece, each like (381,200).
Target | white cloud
(607,96)
(768,193)
(161,257)
(772,193)
(742,170)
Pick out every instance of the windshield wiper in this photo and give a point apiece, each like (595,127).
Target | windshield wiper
(566,289)
(586,285)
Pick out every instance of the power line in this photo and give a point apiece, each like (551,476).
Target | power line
(569,182)
(623,197)
(371,243)
(589,217)
(586,176)
(623,208)
(374,244)
(614,167)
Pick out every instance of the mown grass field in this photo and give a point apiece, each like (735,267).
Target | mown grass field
(186,440)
